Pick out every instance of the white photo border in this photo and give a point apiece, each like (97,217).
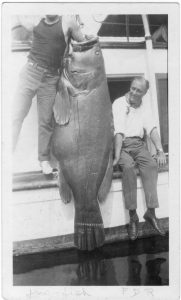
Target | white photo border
(103,293)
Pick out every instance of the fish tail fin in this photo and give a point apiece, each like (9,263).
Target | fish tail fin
(88,236)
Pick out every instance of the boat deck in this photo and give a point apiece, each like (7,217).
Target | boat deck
(42,222)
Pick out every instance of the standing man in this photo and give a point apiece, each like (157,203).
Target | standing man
(131,119)
(40,76)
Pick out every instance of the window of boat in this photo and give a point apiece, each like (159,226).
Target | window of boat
(118,86)
(159,30)
(127,31)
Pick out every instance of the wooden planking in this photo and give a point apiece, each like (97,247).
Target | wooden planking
(36,180)
(113,234)
(26,263)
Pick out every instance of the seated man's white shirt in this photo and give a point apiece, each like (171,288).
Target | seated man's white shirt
(132,121)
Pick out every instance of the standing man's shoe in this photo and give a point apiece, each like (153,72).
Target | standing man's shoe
(133,227)
(46,168)
(152,220)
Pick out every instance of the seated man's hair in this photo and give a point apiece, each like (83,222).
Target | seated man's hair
(141,78)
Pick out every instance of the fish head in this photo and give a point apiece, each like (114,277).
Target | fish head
(85,65)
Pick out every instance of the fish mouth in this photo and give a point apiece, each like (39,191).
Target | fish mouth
(86,45)
(82,68)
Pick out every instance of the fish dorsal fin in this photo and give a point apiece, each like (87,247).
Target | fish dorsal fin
(62,105)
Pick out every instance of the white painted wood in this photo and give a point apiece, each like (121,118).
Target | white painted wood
(42,214)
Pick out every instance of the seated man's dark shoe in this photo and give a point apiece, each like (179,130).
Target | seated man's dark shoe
(133,227)
(152,220)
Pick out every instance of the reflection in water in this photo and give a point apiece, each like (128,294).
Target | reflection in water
(90,271)
(153,271)
(144,262)
(134,270)
(96,271)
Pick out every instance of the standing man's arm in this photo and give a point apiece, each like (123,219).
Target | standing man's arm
(71,27)
(161,158)
(29,22)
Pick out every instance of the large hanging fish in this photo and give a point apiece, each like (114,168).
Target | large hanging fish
(82,140)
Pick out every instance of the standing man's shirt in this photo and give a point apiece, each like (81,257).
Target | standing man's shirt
(50,40)
(131,121)
(48,44)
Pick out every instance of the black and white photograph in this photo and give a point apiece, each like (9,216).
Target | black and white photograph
(90,150)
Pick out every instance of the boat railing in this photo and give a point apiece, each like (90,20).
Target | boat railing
(36,180)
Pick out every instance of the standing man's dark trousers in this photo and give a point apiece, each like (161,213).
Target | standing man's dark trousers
(134,153)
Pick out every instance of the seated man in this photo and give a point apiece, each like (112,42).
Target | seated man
(131,119)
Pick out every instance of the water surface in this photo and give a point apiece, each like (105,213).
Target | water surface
(143,262)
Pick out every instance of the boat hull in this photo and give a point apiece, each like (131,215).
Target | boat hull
(42,222)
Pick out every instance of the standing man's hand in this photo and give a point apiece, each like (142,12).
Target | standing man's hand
(161,159)
(71,28)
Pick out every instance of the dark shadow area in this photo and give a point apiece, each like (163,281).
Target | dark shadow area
(140,262)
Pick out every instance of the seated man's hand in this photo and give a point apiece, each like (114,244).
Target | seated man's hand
(161,159)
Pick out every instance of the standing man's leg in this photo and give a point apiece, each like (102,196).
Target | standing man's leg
(129,182)
(45,100)
(25,92)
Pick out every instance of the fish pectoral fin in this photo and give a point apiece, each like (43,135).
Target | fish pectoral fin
(62,105)
(64,189)
(106,182)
